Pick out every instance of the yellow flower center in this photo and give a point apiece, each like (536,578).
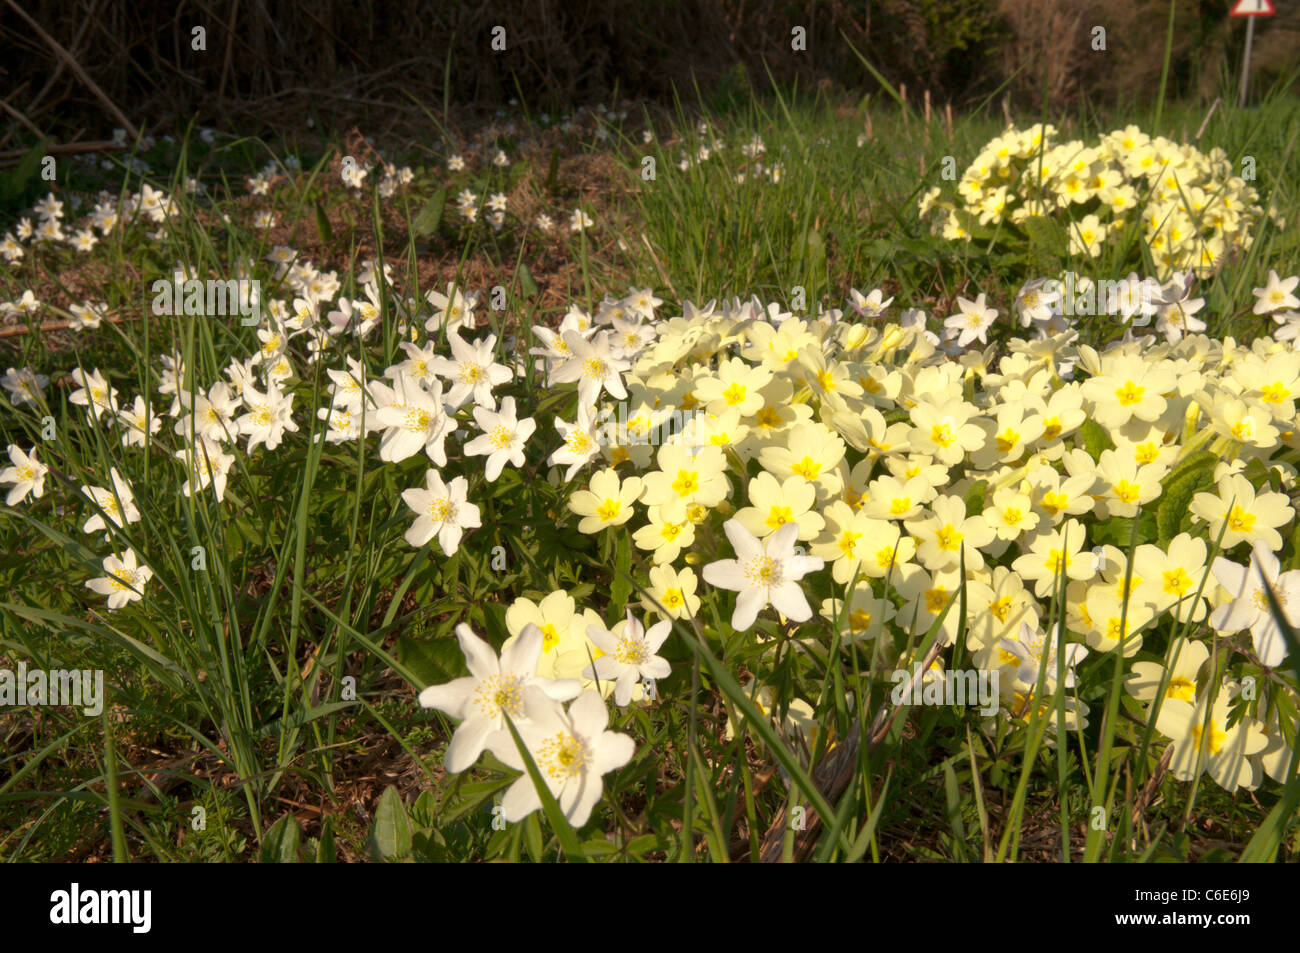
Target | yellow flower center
(1274,393)
(630,651)
(778,516)
(763,571)
(1181,688)
(1240,520)
(935,600)
(1054,502)
(1130,394)
(949,538)
(1128,492)
(687,483)
(808,468)
(500,693)
(562,756)
(579,442)
(1214,739)
(417,421)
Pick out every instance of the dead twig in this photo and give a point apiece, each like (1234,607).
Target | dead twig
(833,774)
(77,71)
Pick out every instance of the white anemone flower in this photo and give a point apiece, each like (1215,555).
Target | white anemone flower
(26,476)
(629,655)
(441,509)
(471,371)
(494,686)
(763,574)
(124,582)
(117,504)
(572,750)
(503,438)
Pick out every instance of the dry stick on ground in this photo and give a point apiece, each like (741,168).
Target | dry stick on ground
(67,148)
(13,157)
(230,46)
(662,274)
(20,118)
(1206,121)
(90,17)
(833,774)
(1152,785)
(59,325)
(80,73)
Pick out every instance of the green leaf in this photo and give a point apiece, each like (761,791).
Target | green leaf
(1048,242)
(326,851)
(1176,497)
(434,661)
(1095,438)
(323,225)
(14,183)
(426,223)
(280,843)
(527,287)
(391,836)
(424,812)
(553,172)
(469,797)
(1118,530)
(975,497)
(622,585)
(533,837)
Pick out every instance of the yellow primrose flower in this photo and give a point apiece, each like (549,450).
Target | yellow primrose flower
(1204,741)
(674,589)
(607,502)
(667,533)
(688,474)
(775,503)
(812,451)
(1242,514)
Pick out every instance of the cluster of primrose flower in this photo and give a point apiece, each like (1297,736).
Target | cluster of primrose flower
(1192,208)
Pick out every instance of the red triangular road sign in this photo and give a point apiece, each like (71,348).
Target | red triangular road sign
(1252,8)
